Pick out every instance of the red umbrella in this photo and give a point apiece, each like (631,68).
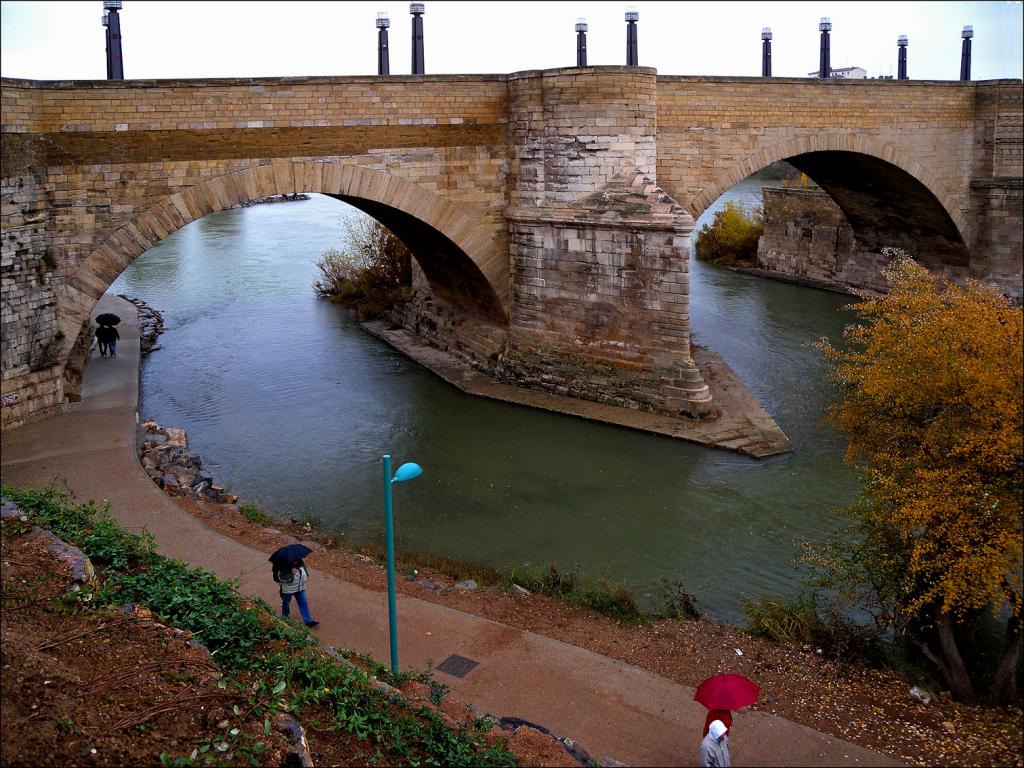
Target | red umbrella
(727,692)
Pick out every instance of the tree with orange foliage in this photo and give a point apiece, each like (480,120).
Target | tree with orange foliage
(931,400)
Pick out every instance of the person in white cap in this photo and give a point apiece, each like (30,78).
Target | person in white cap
(714,750)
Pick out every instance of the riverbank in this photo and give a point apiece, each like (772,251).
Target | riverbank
(870,707)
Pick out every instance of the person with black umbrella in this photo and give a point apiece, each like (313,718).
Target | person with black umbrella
(291,575)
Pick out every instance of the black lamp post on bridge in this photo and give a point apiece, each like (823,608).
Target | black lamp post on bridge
(824,66)
(632,47)
(965,53)
(581,42)
(766,52)
(901,61)
(383,56)
(416,9)
(112,21)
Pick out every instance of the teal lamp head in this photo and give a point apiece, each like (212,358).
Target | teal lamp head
(407,471)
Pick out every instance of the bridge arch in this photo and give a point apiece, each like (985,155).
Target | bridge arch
(890,177)
(462,263)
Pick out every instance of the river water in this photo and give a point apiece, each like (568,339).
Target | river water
(292,405)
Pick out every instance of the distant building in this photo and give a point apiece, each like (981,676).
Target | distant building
(844,73)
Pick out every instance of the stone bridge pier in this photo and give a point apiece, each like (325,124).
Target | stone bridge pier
(599,253)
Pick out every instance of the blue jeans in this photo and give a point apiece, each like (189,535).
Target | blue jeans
(112,347)
(300,598)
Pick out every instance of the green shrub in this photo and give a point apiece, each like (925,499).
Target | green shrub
(803,620)
(781,620)
(87,527)
(253,514)
(732,235)
(371,274)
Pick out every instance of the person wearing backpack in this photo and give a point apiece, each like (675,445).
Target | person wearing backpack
(292,580)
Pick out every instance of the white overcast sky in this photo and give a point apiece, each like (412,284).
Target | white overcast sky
(64,40)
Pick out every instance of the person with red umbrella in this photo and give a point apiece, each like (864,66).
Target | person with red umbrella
(723,694)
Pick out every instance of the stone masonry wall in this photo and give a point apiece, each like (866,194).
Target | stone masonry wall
(961,140)
(715,131)
(807,237)
(601,301)
(572,131)
(29,273)
(997,190)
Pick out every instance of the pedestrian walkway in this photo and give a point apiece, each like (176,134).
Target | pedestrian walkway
(612,709)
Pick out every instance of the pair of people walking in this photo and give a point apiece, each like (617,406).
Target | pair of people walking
(106,340)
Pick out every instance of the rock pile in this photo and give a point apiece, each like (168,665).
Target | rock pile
(168,461)
(151,324)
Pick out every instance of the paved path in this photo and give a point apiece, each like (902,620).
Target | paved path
(614,710)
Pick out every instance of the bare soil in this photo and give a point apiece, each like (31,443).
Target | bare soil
(101,687)
(870,707)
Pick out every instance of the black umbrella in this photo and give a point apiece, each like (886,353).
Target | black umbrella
(289,554)
(108,318)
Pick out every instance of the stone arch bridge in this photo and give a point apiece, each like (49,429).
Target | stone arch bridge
(549,212)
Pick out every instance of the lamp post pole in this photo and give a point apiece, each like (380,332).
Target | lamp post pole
(389,536)
(407,471)
(114,64)
(825,64)
(581,42)
(766,52)
(965,53)
(632,49)
(417,10)
(383,57)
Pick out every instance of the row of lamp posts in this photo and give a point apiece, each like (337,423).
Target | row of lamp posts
(633,52)
(824,66)
(115,70)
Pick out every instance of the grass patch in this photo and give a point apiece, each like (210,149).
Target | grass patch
(614,599)
(275,665)
(254,514)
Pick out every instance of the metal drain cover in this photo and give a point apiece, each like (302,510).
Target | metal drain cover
(457,666)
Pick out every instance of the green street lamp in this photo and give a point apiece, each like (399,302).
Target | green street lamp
(405,472)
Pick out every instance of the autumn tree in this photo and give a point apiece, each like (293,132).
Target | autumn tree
(930,399)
